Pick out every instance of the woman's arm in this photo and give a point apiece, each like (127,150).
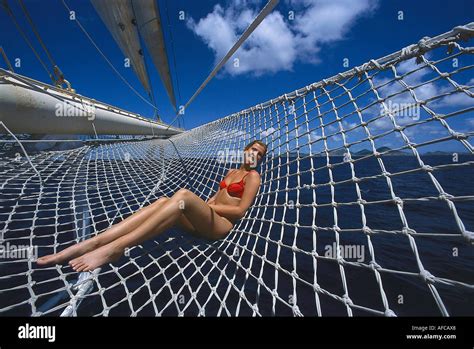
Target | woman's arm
(227,210)
(212,199)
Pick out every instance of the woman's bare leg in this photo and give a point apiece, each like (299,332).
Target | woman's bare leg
(112,233)
(206,221)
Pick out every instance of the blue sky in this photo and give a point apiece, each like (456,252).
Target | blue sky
(291,56)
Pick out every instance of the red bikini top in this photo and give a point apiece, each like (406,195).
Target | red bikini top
(234,189)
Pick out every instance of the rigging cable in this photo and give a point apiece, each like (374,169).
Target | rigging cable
(5,58)
(151,93)
(108,61)
(7,8)
(58,74)
(260,17)
(174,60)
(35,31)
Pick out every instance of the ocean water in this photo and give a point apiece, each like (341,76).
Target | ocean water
(448,257)
(440,247)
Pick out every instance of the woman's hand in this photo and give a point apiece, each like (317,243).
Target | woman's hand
(228,211)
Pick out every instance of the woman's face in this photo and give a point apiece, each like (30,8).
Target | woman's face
(254,154)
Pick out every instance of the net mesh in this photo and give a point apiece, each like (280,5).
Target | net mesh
(365,206)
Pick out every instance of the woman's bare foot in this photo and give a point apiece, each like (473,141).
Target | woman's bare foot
(94,259)
(70,252)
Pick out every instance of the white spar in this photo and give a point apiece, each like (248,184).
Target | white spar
(30,106)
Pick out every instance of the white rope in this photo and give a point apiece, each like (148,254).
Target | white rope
(317,191)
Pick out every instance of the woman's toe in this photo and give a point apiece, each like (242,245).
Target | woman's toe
(75,261)
(82,267)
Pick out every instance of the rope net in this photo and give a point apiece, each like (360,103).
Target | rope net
(365,206)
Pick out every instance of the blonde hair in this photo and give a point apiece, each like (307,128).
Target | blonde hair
(259,142)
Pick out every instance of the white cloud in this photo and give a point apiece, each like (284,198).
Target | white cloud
(314,136)
(419,133)
(268,132)
(458,99)
(404,100)
(415,78)
(278,42)
(349,125)
(229,134)
(331,129)
(323,21)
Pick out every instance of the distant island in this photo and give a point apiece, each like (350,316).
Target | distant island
(366,152)
(444,153)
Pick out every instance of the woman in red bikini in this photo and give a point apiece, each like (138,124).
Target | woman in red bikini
(211,219)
